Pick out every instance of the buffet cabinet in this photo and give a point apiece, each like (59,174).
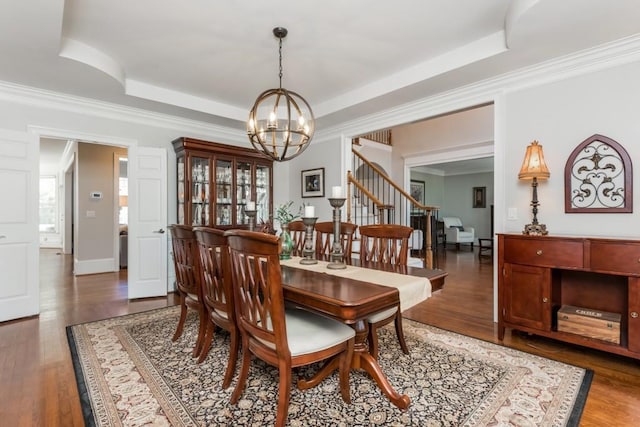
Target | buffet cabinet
(216,182)
(540,274)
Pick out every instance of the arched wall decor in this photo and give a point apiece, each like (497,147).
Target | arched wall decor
(598,178)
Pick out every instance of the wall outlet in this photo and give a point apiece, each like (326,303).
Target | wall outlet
(91,214)
(512,214)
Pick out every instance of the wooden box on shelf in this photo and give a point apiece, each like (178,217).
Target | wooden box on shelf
(596,324)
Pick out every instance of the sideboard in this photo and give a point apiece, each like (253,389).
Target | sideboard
(540,274)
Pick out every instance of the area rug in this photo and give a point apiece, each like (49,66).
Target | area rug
(130,373)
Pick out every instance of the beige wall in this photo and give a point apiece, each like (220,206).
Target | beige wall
(96,173)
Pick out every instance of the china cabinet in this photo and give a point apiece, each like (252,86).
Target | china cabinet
(217,182)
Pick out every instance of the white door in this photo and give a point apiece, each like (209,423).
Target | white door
(147,268)
(19,257)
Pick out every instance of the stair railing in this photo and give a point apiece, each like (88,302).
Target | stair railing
(377,199)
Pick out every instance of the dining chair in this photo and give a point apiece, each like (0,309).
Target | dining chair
(388,244)
(297,232)
(284,337)
(324,239)
(189,286)
(217,294)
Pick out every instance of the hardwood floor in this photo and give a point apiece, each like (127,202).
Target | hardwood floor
(37,382)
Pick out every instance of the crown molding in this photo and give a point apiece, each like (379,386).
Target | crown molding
(605,56)
(26,95)
(608,55)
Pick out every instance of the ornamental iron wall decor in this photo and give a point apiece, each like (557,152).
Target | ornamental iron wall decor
(598,178)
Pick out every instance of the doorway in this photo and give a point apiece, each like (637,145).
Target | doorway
(89,208)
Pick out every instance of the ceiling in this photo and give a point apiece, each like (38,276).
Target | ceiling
(208,60)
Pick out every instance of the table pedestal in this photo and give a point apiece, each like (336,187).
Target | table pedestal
(362,359)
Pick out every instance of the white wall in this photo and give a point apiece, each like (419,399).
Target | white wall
(458,201)
(560,116)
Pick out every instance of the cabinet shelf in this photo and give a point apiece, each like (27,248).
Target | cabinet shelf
(540,274)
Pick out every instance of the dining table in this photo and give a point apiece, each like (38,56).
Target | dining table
(351,295)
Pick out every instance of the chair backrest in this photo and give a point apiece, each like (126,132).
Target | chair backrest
(186,259)
(385,243)
(217,290)
(257,283)
(297,232)
(451,221)
(324,238)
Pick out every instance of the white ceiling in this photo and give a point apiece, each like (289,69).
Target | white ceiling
(208,60)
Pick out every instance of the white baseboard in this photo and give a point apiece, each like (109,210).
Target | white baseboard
(93,266)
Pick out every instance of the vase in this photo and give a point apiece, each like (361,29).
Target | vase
(286,243)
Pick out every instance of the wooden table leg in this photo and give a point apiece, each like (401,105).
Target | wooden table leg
(362,359)
(370,365)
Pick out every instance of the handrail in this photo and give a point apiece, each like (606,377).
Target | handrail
(366,192)
(394,185)
(428,210)
(351,179)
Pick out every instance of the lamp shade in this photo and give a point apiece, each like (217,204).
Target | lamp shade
(533,165)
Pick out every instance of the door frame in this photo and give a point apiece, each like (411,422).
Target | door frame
(75,136)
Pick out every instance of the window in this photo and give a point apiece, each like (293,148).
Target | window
(48,204)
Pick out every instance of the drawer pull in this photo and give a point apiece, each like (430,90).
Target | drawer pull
(539,252)
(545,299)
(634,314)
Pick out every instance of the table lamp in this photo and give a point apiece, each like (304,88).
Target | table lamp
(534,168)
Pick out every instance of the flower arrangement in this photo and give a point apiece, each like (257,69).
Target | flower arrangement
(284,215)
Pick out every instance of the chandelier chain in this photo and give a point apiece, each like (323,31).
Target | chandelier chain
(280,60)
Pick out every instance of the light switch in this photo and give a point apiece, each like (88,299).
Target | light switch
(512,213)
(91,214)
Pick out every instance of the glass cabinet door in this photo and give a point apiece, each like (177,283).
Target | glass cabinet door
(262,192)
(243,191)
(199,191)
(181,205)
(224,196)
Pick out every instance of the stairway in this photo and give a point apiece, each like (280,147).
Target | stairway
(376,199)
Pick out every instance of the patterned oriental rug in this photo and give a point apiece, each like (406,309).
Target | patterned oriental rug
(129,372)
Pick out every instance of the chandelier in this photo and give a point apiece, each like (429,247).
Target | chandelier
(281,123)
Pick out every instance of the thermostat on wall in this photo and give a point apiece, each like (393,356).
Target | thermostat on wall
(95,195)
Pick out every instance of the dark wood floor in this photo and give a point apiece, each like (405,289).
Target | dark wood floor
(37,383)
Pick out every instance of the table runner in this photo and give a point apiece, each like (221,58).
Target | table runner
(412,289)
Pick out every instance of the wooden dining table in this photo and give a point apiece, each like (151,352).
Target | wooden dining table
(352,301)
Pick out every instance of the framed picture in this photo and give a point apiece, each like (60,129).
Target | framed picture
(479,197)
(417,190)
(313,182)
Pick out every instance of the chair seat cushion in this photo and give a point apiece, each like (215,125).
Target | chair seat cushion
(381,315)
(308,332)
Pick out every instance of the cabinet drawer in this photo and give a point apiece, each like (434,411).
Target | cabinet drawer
(615,257)
(546,253)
